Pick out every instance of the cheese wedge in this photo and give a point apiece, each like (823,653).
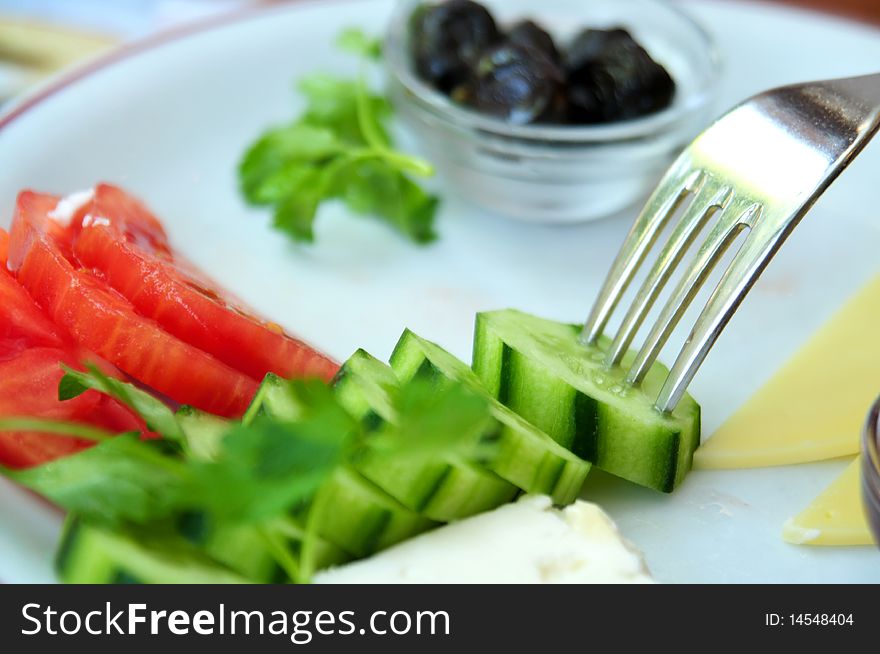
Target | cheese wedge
(836,517)
(813,408)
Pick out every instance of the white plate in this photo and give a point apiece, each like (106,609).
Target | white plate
(169,121)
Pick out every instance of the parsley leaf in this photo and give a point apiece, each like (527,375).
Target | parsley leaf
(56,427)
(122,479)
(433,423)
(345,106)
(372,187)
(264,468)
(155,413)
(354,40)
(273,167)
(339,148)
(296,209)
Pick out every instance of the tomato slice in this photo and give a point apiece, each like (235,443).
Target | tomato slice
(31,354)
(29,387)
(100,320)
(22,323)
(118,236)
(4,247)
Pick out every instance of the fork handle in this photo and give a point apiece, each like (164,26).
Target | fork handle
(865,88)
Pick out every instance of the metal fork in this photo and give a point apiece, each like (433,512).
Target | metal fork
(759,168)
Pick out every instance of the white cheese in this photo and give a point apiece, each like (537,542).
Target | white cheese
(67,206)
(525,542)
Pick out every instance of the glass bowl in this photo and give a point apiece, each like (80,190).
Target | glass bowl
(561,173)
(871,470)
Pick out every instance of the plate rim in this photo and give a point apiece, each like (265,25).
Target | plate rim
(44,91)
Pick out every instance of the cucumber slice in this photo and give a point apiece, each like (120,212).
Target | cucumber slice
(243,549)
(540,369)
(364,386)
(364,519)
(526,457)
(202,431)
(272,397)
(240,547)
(89,554)
(326,554)
(443,490)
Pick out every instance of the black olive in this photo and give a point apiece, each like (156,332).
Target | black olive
(446,38)
(529,33)
(589,45)
(611,77)
(515,82)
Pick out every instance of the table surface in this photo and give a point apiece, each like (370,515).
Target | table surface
(865,10)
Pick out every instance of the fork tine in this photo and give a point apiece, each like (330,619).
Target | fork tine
(730,224)
(661,206)
(710,198)
(732,288)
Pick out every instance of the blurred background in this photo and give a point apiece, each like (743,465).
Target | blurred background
(40,37)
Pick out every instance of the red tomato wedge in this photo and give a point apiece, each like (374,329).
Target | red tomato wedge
(119,237)
(4,247)
(22,323)
(29,387)
(31,353)
(100,320)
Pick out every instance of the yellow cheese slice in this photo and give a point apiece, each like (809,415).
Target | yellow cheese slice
(836,517)
(812,408)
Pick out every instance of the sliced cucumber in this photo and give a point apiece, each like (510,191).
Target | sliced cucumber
(364,386)
(272,397)
(540,369)
(239,547)
(89,554)
(363,518)
(526,457)
(444,490)
(326,554)
(202,431)
(242,548)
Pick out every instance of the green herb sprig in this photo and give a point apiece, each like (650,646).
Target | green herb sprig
(339,148)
